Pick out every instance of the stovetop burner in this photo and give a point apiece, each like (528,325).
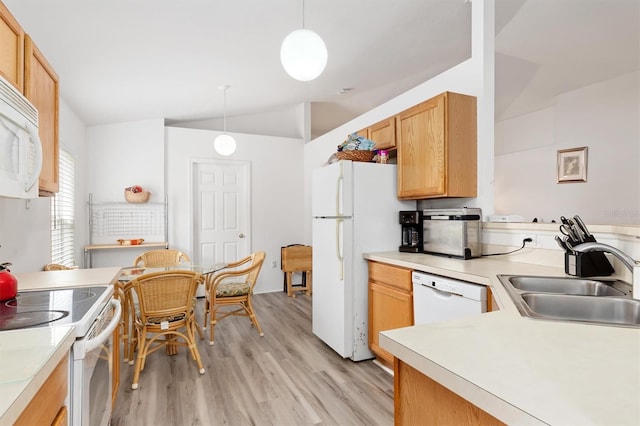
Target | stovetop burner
(52,307)
(18,320)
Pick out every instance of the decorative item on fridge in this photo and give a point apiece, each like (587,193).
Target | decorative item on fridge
(356,148)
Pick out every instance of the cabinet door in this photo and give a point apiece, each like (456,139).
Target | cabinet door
(391,309)
(437,148)
(390,304)
(421,151)
(12,52)
(384,133)
(41,88)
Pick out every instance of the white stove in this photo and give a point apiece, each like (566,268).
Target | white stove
(94,314)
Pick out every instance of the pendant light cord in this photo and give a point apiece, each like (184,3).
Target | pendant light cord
(224,111)
(303,14)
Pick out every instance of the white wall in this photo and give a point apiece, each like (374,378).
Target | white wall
(25,238)
(276,192)
(605,117)
(118,156)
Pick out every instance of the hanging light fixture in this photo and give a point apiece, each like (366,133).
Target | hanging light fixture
(224,144)
(303,53)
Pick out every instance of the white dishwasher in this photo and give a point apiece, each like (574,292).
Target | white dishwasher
(437,298)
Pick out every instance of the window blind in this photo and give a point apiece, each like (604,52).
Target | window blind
(62,213)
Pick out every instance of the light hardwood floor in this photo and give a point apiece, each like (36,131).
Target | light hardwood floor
(287,377)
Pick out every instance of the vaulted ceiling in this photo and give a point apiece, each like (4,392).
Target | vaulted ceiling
(126,60)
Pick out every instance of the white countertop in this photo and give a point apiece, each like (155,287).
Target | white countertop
(29,356)
(70,278)
(521,371)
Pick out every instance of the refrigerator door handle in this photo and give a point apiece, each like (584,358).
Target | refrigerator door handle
(339,251)
(339,184)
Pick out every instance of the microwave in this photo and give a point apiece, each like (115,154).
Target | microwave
(20,147)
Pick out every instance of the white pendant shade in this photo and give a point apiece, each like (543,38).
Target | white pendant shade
(224,144)
(303,55)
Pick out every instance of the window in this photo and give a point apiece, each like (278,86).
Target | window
(62,213)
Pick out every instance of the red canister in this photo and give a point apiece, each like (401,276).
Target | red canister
(8,283)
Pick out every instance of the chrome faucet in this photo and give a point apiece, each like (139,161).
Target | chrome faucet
(633,265)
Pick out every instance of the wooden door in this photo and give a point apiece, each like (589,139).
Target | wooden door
(221,214)
(12,52)
(41,88)
(422,155)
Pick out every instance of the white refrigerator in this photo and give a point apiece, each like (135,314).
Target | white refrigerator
(355,210)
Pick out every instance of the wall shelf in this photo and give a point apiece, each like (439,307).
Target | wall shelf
(111,221)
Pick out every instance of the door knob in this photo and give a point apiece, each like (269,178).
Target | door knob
(241,236)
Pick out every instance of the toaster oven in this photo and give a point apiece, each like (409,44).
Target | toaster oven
(452,232)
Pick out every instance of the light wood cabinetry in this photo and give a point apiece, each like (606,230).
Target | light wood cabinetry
(11,49)
(47,406)
(390,304)
(420,400)
(437,148)
(41,88)
(383,133)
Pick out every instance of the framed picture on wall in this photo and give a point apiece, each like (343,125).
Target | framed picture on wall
(572,165)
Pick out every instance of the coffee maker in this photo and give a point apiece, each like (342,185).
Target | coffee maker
(411,225)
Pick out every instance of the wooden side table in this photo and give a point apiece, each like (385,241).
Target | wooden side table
(296,258)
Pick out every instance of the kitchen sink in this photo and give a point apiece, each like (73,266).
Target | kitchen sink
(592,301)
(564,285)
(610,310)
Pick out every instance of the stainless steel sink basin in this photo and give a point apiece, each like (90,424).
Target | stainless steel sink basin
(593,301)
(611,310)
(563,285)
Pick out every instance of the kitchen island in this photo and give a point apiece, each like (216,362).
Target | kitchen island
(518,370)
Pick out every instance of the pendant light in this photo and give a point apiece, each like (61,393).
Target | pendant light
(224,144)
(303,53)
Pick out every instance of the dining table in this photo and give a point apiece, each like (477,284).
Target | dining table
(128,273)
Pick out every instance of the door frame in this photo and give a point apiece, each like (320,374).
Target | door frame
(193,163)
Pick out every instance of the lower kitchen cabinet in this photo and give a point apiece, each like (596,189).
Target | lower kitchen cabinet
(419,399)
(390,304)
(48,405)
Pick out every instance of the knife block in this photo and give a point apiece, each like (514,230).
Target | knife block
(588,264)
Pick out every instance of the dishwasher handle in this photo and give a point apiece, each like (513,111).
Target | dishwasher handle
(443,294)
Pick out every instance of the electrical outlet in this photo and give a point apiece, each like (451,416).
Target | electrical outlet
(534,240)
(274,264)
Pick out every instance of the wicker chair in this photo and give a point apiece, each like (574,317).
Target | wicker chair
(162,257)
(56,267)
(166,316)
(232,286)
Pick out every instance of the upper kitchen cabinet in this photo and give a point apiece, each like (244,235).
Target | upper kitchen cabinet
(383,133)
(41,88)
(11,49)
(437,148)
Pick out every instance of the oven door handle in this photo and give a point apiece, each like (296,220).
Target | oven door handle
(91,344)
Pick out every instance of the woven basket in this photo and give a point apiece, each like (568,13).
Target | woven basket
(355,155)
(137,197)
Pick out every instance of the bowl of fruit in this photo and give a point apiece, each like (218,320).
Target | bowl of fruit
(136,194)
